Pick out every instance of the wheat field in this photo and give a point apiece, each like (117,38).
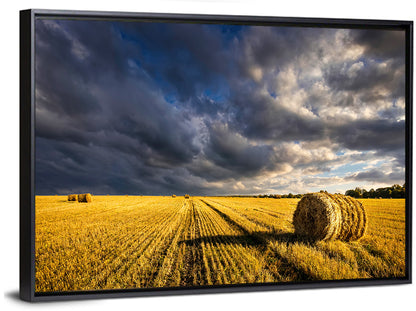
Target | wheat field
(121,242)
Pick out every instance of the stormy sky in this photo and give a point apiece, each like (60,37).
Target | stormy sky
(162,108)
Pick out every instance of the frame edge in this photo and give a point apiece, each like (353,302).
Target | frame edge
(409,149)
(27,215)
(26,212)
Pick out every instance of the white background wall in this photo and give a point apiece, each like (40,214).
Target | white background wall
(367,298)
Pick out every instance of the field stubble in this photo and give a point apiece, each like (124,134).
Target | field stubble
(119,242)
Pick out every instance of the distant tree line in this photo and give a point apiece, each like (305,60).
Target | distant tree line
(395,191)
(270,196)
(280,196)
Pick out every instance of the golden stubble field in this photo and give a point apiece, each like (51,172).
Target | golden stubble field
(120,242)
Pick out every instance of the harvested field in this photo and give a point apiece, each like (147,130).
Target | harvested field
(141,241)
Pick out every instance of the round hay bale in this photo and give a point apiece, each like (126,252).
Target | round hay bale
(72,197)
(173,196)
(325,216)
(85,198)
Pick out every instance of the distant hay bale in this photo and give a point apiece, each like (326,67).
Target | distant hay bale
(85,197)
(72,197)
(173,196)
(186,196)
(324,216)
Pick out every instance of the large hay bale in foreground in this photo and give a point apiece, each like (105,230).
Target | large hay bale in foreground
(85,197)
(72,197)
(325,216)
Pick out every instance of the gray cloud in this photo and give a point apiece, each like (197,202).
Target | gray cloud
(376,175)
(381,135)
(365,76)
(233,151)
(147,108)
(261,117)
(381,44)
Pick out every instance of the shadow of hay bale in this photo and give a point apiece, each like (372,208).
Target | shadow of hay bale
(257,238)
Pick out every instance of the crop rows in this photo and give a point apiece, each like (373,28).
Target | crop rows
(143,242)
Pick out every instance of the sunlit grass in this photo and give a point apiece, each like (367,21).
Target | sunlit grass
(138,241)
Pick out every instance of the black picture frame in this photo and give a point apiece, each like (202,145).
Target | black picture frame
(27,149)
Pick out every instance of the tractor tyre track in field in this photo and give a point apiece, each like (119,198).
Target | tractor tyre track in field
(194,269)
(242,215)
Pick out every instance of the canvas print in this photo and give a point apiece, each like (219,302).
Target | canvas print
(188,154)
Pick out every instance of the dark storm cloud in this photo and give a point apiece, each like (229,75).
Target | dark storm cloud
(368,175)
(382,66)
(270,47)
(260,117)
(232,151)
(184,63)
(381,44)
(369,77)
(98,170)
(148,108)
(68,68)
(381,135)
(208,170)
(376,175)
(100,109)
